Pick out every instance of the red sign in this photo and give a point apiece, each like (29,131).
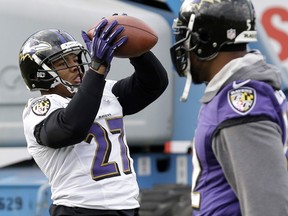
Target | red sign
(277,32)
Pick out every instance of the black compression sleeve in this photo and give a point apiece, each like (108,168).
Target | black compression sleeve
(144,86)
(69,126)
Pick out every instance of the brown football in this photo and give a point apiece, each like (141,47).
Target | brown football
(141,37)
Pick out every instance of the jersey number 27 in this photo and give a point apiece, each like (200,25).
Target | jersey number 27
(103,168)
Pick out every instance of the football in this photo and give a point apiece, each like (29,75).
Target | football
(141,37)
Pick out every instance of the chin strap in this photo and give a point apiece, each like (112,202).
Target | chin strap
(188,82)
(187,86)
(71,88)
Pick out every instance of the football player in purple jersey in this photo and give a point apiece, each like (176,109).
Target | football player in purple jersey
(75,130)
(239,153)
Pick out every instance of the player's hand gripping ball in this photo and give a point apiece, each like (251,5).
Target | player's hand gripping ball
(141,37)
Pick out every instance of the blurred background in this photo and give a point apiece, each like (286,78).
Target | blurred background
(159,137)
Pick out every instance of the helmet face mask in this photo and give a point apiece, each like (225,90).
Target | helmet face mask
(186,41)
(39,52)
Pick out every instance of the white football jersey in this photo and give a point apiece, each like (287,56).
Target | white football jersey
(97,173)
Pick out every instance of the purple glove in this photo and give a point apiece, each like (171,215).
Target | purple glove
(103,45)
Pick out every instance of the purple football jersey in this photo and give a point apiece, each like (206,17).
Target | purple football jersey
(211,193)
